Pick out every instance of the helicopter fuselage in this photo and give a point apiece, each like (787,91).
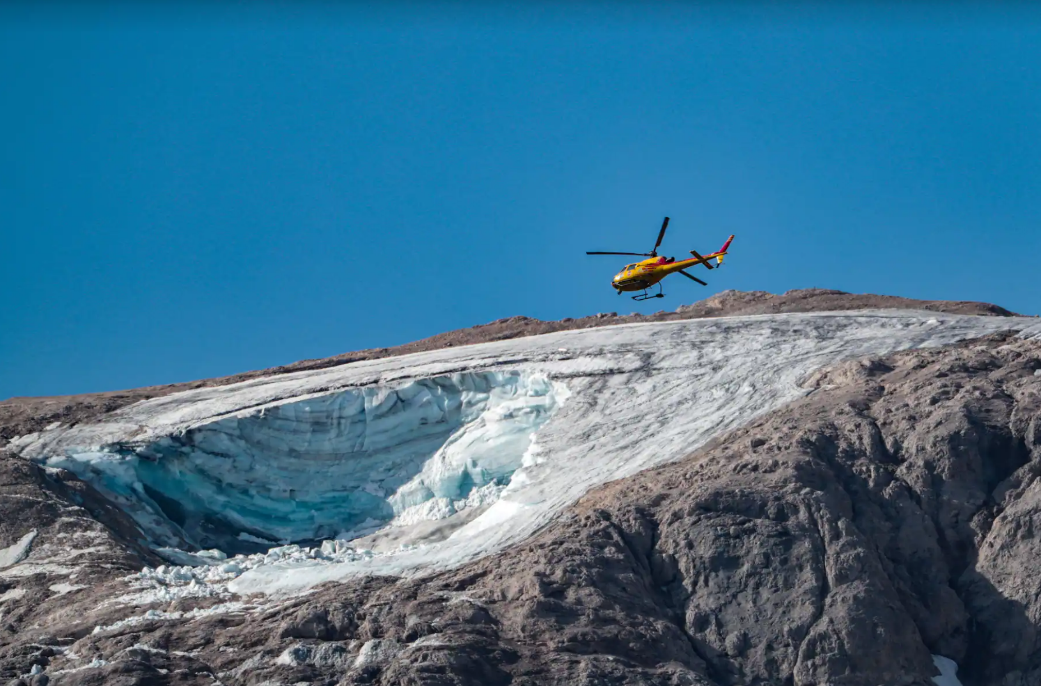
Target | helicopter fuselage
(641,275)
(644,274)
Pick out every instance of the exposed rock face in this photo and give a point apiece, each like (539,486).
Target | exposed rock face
(77,547)
(20,416)
(890,514)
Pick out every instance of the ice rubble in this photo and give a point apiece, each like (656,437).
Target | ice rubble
(465,450)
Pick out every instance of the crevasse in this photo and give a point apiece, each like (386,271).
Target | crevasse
(338,465)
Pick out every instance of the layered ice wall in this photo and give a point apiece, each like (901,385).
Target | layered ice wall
(298,456)
(330,466)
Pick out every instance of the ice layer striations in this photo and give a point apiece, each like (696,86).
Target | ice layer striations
(453,454)
(338,465)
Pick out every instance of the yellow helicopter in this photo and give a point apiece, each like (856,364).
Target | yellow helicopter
(642,275)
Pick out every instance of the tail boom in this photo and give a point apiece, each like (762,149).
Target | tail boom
(722,251)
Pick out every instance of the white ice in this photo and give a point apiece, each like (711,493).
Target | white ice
(615,400)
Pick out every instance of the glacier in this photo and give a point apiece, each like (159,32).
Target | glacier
(412,464)
(331,466)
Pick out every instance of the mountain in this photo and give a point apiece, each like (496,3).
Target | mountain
(811,488)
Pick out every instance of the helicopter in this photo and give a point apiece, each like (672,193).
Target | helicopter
(646,273)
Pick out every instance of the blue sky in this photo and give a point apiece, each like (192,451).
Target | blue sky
(192,193)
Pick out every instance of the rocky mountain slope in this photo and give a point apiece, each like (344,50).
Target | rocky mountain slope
(844,537)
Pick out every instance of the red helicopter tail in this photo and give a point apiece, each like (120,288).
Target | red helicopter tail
(723,251)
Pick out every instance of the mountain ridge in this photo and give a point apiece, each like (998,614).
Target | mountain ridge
(21,415)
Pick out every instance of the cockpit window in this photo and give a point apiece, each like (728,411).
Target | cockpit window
(629,266)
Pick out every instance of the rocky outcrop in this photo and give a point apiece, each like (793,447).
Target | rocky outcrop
(889,515)
(20,416)
(63,551)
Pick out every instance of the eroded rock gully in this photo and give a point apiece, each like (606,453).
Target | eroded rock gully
(889,515)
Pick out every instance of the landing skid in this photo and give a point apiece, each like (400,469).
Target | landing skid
(647,296)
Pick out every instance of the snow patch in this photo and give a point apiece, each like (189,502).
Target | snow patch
(13,554)
(430,641)
(36,669)
(96,663)
(51,558)
(159,615)
(323,655)
(948,671)
(377,652)
(12,594)
(25,569)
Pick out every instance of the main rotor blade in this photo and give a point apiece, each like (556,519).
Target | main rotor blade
(692,278)
(641,254)
(703,260)
(661,235)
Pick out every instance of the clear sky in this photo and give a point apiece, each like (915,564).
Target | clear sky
(187,193)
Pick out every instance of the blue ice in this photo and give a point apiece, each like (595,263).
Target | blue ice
(327,466)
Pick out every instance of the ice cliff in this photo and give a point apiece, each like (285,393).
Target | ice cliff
(335,465)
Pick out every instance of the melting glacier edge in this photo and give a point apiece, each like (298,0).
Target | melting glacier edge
(334,466)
